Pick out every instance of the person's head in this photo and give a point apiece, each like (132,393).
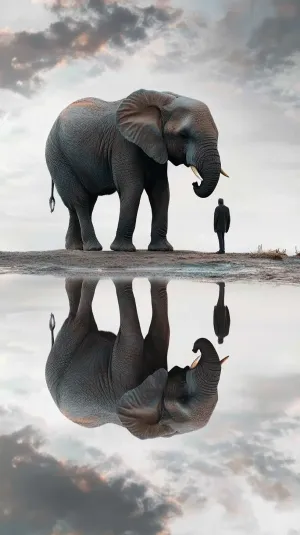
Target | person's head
(220,201)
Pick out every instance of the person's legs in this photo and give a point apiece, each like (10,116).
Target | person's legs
(221,242)
(222,248)
(219,238)
(218,234)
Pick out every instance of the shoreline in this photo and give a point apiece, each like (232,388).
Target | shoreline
(176,264)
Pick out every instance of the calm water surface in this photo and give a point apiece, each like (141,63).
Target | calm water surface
(89,452)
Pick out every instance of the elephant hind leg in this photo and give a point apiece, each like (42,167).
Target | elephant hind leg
(84,312)
(81,225)
(81,232)
(73,237)
(80,203)
(84,214)
(73,288)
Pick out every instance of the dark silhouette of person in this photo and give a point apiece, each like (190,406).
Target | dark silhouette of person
(221,315)
(221,224)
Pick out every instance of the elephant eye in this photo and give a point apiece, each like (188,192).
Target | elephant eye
(184,134)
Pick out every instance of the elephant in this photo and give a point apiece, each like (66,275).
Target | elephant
(96,377)
(96,148)
(221,315)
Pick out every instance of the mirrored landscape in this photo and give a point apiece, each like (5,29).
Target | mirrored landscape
(121,413)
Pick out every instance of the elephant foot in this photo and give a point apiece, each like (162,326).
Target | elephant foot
(73,241)
(160,245)
(123,245)
(92,245)
(74,246)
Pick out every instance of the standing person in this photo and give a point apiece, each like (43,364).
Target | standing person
(221,224)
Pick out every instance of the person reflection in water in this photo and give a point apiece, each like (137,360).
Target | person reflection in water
(96,377)
(221,315)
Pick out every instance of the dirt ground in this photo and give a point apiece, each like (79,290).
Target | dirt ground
(177,264)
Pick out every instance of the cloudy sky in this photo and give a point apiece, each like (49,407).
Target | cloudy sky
(241,57)
(239,475)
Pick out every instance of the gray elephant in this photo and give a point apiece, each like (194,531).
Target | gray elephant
(96,377)
(96,147)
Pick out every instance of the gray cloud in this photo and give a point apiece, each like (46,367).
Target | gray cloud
(247,449)
(278,37)
(258,36)
(253,43)
(272,394)
(80,31)
(41,494)
(270,474)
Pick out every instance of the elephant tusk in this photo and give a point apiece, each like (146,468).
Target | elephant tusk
(223,360)
(223,173)
(194,363)
(195,172)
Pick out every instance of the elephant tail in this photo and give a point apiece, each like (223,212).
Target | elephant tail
(52,199)
(52,327)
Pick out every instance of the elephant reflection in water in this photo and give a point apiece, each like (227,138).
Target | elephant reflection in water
(221,315)
(96,377)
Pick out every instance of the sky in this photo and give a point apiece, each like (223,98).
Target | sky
(238,475)
(240,57)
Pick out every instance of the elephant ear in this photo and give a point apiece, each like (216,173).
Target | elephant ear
(139,120)
(139,409)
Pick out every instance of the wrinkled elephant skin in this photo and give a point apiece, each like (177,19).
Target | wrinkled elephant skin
(96,148)
(96,377)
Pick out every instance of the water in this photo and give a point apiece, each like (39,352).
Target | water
(240,473)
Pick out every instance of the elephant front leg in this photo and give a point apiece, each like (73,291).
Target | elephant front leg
(129,205)
(127,362)
(158,337)
(128,176)
(159,196)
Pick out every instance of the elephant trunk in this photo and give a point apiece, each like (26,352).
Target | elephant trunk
(206,374)
(209,170)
